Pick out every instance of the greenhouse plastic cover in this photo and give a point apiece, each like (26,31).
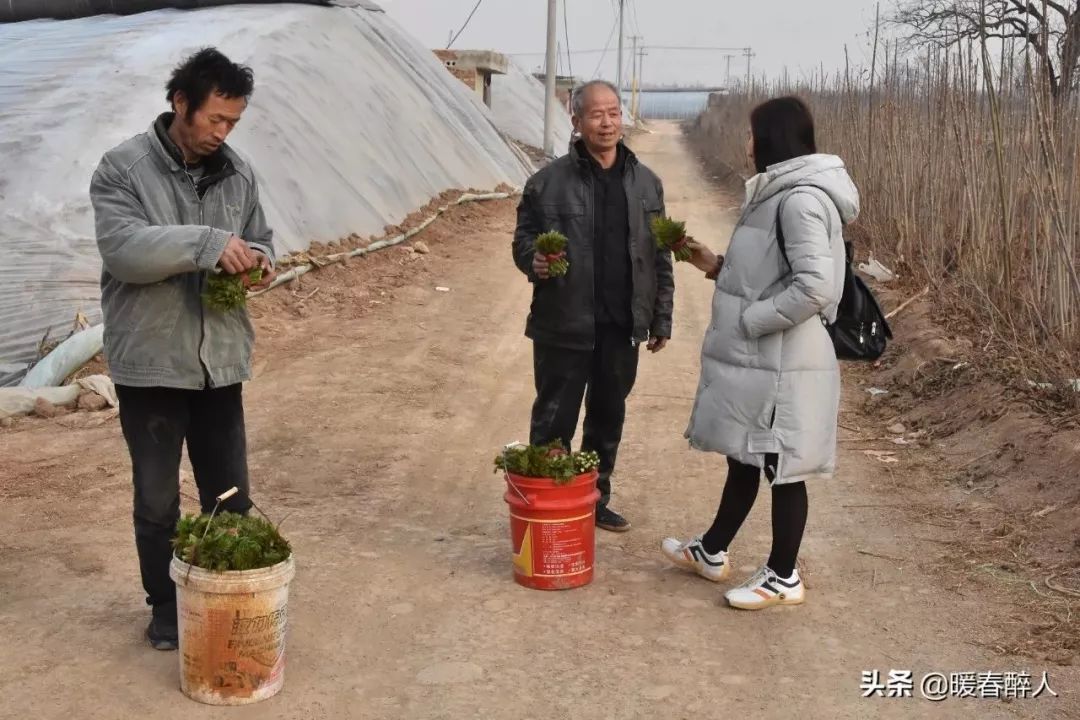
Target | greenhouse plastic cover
(19,10)
(517,102)
(354,124)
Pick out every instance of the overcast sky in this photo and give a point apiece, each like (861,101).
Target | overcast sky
(796,34)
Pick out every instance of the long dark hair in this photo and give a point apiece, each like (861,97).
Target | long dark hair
(783,128)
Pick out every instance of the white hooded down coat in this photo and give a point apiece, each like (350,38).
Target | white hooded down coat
(770,382)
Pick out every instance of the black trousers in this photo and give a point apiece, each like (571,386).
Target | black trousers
(156,423)
(603,377)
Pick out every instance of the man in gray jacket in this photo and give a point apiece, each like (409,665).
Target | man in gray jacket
(171,206)
(587,326)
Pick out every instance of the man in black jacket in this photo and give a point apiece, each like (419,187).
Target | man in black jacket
(587,326)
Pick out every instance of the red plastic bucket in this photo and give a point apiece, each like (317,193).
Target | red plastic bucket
(553,530)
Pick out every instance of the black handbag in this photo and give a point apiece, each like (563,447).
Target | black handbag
(860,331)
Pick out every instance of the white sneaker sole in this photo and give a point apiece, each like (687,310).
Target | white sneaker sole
(678,559)
(763,604)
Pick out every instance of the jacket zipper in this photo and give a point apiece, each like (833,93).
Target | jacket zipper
(627,183)
(590,191)
(202,279)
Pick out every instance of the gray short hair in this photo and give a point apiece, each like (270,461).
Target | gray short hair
(577,100)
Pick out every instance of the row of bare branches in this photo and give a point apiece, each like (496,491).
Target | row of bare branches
(1050,28)
(966,151)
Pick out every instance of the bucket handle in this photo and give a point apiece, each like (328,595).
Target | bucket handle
(516,489)
(220,499)
(506,475)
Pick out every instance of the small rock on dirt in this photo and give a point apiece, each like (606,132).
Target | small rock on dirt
(45,409)
(897,429)
(92,402)
(421,247)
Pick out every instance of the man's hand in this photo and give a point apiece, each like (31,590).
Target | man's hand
(656,344)
(237,257)
(268,272)
(541,266)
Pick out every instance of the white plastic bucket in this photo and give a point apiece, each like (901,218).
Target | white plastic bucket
(232,632)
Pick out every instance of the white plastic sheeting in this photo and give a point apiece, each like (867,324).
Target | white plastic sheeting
(354,124)
(66,358)
(18,10)
(21,401)
(517,102)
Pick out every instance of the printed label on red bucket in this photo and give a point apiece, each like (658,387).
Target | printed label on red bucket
(552,548)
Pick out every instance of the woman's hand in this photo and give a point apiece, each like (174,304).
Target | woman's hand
(702,258)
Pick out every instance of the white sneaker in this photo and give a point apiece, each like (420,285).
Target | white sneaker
(690,555)
(766,589)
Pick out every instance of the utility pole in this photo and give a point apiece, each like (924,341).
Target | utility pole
(727,78)
(749,53)
(549,82)
(618,70)
(633,73)
(640,74)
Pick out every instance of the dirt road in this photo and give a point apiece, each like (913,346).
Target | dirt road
(374,432)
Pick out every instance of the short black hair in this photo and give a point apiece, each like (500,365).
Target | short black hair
(783,128)
(209,71)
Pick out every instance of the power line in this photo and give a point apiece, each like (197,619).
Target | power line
(603,52)
(633,9)
(475,8)
(566,34)
(593,51)
(705,48)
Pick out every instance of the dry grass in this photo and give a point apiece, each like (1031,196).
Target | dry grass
(970,179)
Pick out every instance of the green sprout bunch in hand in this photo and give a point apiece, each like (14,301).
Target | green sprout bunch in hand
(671,235)
(552,245)
(228,292)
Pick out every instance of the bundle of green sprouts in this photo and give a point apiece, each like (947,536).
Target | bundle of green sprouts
(552,245)
(546,461)
(671,235)
(228,292)
(233,542)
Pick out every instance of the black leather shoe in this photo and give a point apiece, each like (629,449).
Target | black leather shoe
(608,519)
(162,634)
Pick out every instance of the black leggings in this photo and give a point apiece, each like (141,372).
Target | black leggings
(788,514)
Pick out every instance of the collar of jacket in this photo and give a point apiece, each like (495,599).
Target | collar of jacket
(216,165)
(580,156)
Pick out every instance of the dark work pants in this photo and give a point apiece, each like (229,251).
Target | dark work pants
(156,423)
(604,377)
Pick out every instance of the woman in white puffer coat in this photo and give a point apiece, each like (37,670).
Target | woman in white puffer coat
(770,384)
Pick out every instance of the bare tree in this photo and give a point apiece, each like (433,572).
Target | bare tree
(1050,28)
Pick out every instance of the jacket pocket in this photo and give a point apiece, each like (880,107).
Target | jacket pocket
(563,217)
(725,340)
(650,210)
(152,309)
(644,249)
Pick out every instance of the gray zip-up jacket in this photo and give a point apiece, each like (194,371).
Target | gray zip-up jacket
(159,233)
